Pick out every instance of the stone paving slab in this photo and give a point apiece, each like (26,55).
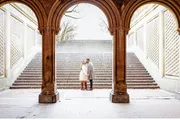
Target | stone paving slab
(89,104)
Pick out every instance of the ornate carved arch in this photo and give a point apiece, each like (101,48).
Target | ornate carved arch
(133,5)
(107,6)
(36,7)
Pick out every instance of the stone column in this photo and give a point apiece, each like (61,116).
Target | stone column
(145,39)
(127,42)
(25,40)
(8,47)
(135,38)
(161,44)
(177,91)
(119,89)
(49,92)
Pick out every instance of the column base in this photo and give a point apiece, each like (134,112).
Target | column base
(119,98)
(49,98)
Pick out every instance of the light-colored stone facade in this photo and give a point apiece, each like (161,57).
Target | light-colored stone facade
(85,46)
(19,41)
(155,40)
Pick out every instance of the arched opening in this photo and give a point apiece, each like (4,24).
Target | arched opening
(84,34)
(20,42)
(108,7)
(154,42)
(119,87)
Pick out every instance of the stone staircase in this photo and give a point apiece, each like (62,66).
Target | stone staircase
(68,68)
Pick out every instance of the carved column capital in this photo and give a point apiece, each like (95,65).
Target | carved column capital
(48,29)
(121,29)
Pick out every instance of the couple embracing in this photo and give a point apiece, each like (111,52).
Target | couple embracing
(87,73)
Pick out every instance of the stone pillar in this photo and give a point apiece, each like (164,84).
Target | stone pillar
(49,92)
(119,89)
(135,38)
(161,43)
(127,42)
(177,91)
(8,47)
(145,39)
(25,40)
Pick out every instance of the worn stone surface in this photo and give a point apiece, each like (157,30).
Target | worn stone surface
(89,104)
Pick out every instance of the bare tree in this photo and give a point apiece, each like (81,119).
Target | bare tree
(67,32)
(67,28)
(104,25)
(68,13)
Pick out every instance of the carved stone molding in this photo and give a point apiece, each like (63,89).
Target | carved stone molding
(131,6)
(107,6)
(122,29)
(48,29)
(178,30)
(35,6)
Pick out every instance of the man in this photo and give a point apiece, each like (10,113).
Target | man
(90,72)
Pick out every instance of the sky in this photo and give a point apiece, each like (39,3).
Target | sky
(88,24)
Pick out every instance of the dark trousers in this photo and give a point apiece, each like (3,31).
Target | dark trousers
(91,83)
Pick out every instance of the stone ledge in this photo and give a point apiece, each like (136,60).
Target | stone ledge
(119,98)
(49,98)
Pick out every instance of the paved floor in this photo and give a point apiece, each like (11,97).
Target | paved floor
(89,104)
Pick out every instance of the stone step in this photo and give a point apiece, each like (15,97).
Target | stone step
(77,84)
(95,66)
(71,71)
(77,69)
(59,68)
(67,72)
(77,74)
(103,62)
(61,71)
(76,78)
(77,81)
(78,87)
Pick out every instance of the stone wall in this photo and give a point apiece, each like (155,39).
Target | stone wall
(84,46)
(155,40)
(19,39)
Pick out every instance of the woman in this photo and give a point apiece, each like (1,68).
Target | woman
(83,77)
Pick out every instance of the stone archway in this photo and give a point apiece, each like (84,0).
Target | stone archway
(118,12)
(119,92)
(133,5)
(35,6)
(172,5)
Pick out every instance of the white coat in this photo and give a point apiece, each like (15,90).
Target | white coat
(83,74)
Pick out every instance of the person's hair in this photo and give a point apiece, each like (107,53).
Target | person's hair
(88,59)
(83,62)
